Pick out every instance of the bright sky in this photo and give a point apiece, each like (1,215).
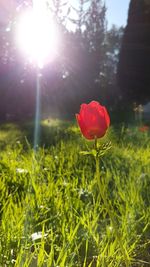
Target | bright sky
(117,12)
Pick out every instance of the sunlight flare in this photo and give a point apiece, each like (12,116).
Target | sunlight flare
(37,34)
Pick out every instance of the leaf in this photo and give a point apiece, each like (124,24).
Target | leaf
(103,148)
(94,152)
(86,153)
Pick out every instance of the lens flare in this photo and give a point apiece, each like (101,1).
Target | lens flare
(37,36)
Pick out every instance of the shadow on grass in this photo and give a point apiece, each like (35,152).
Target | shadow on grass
(51,133)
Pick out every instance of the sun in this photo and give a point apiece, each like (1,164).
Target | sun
(37,35)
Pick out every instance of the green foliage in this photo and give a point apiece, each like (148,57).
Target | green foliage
(53,194)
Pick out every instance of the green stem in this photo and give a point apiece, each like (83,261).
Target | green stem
(95,143)
(109,210)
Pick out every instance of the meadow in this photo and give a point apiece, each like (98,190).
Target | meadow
(51,212)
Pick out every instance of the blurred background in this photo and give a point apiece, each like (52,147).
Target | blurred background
(74,51)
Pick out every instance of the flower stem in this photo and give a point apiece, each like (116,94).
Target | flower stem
(109,209)
(95,144)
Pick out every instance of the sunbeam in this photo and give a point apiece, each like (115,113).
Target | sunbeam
(37,38)
(37,112)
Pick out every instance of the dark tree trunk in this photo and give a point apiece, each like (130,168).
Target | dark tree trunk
(134,62)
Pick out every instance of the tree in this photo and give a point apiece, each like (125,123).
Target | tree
(77,75)
(90,43)
(113,40)
(82,58)
(134,62)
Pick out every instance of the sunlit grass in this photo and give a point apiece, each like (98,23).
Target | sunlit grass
(54,194)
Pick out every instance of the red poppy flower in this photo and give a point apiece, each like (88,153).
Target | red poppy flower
(144,129)
(93,120)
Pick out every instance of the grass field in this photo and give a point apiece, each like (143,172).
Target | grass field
(51,210)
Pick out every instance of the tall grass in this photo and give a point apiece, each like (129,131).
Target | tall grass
(51,213)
